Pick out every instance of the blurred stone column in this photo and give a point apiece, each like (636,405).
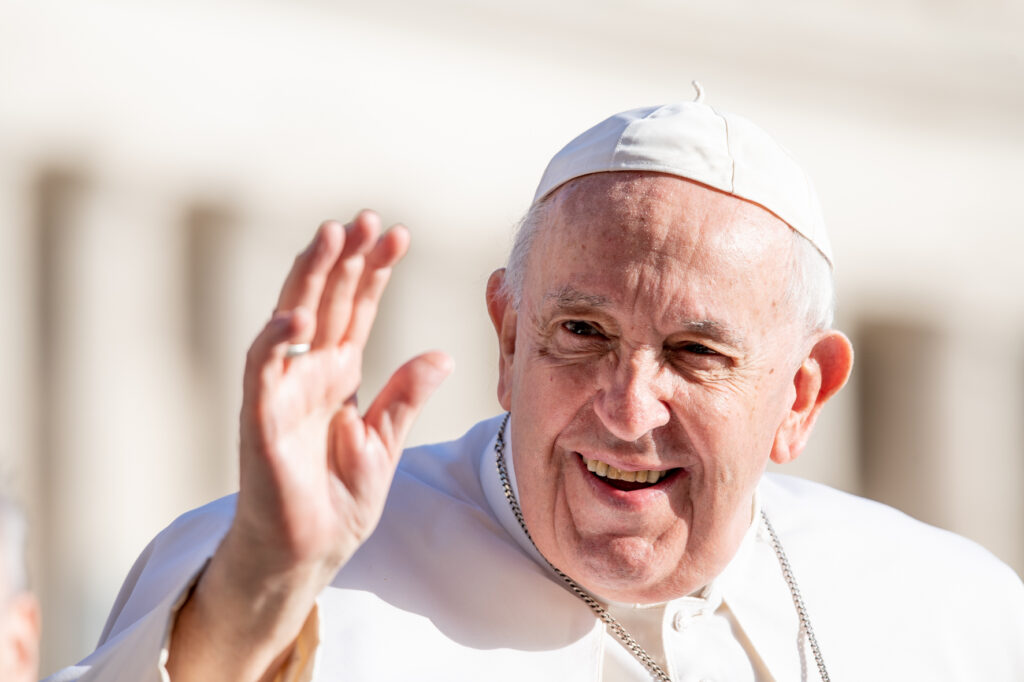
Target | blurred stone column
(113,428)
(57,193)
(19,365)
(211,232)
(941,428)
(986,438)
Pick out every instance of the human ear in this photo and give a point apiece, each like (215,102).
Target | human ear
(819,377)
(503,317)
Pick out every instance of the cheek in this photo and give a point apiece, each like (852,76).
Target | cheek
(756,397)
(728,425)
(774,397)
(548,400)
(545,386)
(714,409)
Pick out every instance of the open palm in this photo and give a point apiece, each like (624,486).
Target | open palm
(314,472)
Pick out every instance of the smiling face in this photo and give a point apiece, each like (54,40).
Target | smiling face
(654,344)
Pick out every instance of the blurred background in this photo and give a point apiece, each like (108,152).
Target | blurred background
(161,163)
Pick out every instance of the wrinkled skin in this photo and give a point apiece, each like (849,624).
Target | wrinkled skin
(654,333)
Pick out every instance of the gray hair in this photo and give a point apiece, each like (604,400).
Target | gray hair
(811,289)
(13,533)
(526,231)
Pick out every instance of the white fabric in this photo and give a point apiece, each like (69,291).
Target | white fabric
(695,141)
(696,634)
(696,637)
(445,589)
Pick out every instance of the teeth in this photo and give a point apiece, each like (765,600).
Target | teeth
(605,471)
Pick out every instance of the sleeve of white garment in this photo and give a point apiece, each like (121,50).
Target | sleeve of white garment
(134,643)
(134,653)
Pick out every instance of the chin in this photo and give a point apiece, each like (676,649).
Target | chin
(624,570)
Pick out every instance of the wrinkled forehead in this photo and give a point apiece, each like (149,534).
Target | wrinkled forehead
(663,216)
(662,252)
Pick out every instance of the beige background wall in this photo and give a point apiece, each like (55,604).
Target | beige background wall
(161,162)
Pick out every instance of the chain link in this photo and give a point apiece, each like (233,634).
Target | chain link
(602,613)
(798,600)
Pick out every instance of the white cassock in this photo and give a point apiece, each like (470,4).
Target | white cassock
(448,588)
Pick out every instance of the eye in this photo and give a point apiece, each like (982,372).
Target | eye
(698,349)
(693,355)
(580,328)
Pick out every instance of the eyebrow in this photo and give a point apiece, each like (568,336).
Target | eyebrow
(570,298)
(715,330)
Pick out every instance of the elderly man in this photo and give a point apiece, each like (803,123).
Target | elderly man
(663,330)
(19,610)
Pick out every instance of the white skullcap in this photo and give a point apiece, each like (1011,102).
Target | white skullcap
(694,141)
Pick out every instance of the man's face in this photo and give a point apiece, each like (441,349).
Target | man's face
(653,336)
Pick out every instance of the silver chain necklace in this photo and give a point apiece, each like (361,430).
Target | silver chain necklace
(602,613)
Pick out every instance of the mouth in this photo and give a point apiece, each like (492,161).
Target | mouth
(627,480)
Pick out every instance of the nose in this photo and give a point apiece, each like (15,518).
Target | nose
(632,397)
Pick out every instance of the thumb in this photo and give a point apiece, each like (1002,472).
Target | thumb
(395,408)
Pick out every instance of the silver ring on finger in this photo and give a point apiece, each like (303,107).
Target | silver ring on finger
(294,350)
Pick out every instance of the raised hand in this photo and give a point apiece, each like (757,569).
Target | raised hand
(314,472)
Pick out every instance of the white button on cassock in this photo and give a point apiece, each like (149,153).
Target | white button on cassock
(681,620)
